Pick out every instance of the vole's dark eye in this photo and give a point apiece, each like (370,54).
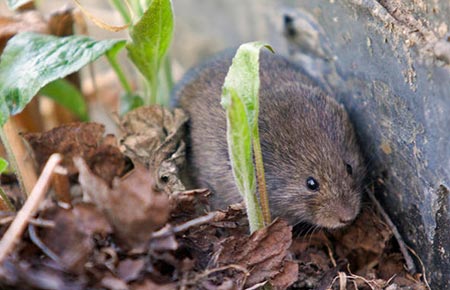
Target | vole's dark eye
(312,184)
(165,178)
(349,168)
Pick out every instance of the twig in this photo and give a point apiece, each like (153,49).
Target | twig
(36,222)
(6,202)
(40,244)
(31,205)
(411,267)
(424,273)
(330,255)
(168,230)
(18,156)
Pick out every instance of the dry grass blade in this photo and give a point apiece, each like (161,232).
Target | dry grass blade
(403,247)
(424,273)
(100,23)
(167,231)
(27,174)
(17,227)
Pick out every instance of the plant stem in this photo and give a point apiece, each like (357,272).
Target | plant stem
(168,72)
(254,214)
(6,201)
(137,8)
(13,161)
(263,197)
(116,67)
(153,98)
(121,8)
(165,83)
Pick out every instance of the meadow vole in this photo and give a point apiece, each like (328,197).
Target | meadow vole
(311,158)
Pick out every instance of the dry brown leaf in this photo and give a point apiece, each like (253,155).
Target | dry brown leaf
(286,277)
(61,22)
(107,162)
(129,270)
(148,284)
(22,275)
(71,239)
(26,21)
(132,205)
(363,242)
(76,139)
(263,254)
(112,283)
(80,139)
(154,136)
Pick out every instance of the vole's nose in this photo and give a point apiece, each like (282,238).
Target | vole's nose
(345,220)
(346,215)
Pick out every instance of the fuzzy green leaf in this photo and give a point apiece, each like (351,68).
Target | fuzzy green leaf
(14,4)
(240,98)
(150,39)
(3,165)
(68,96)
(30,61)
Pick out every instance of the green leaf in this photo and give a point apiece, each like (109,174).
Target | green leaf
(129,102)
(243,76)
(67,95)
(3,165)
(240,98)
(150,39)
(30,61)
(112,58)
(121,7)
(14,4)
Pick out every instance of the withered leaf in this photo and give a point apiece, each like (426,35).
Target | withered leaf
(263,253)
(148,284)
(365,240)
(27,21)
(129,269)
(286,277)
(132,205)
(154,136)
(22,275)
(71,239)
(80,139)
(76,139)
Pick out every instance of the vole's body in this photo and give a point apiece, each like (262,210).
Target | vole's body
(304,133)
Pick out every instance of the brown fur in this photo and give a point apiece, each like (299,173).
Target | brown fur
(303,133)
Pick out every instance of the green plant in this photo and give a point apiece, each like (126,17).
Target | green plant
(240,98)
(34,62)
(5,199)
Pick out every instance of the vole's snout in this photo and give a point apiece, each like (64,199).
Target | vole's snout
(337,214)
(345,214)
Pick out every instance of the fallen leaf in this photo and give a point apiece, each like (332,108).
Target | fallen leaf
(132,206)
(154,136)
(26,21)
(107,162)
(263,253)
(22,275)
(286,277)
(129,269)
(148,284)
(363,242)
(80,139)
(75,139)
(71,239)
(113,283)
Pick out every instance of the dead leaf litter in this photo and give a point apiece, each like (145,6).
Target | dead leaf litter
(130,224)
